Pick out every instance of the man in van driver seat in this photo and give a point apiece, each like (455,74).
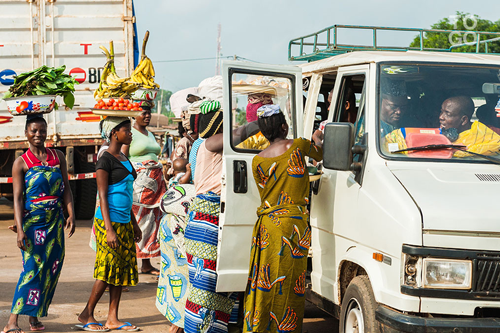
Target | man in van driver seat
(455,120)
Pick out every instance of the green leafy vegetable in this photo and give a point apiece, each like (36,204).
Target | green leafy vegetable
(44,81)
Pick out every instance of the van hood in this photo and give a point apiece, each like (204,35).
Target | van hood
(454,200)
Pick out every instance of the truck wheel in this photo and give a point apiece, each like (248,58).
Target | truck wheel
(357,314)
(86,191)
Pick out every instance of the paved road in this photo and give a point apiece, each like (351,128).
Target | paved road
(75,283)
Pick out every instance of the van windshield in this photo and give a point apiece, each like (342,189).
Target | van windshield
(445,111)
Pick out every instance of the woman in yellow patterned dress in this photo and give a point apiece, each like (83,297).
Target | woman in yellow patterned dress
(274,299)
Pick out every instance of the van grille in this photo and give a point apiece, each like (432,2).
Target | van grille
(488,277)
(485,177)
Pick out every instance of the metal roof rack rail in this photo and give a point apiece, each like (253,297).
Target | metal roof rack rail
(315,50)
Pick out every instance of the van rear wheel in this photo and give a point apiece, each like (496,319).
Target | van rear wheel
(357,314)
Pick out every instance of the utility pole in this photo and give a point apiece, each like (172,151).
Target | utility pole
(219,49)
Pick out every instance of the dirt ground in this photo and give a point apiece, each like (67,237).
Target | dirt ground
(75,283)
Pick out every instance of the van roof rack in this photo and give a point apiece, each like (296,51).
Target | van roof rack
(324,43)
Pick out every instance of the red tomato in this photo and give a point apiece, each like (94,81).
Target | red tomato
(126,102)
(116,108)
(135,105)
(120,100)
(111,101)
(120,105)
(100,101)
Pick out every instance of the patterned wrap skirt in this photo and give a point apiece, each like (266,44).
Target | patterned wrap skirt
(117,267)
(206,310)
(149,188)
(173,282)
(274,299)
(43,223)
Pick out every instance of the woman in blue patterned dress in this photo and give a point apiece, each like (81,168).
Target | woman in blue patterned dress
(41,190)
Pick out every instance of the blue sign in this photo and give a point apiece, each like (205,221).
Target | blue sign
(7,77)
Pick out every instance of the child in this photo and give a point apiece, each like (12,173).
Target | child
(182,172)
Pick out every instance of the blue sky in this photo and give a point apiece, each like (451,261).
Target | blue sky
(260,30)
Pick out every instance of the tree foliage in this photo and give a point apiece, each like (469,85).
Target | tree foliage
(460,21)
(163,97)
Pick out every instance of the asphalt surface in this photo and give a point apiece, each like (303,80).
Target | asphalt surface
(75,283)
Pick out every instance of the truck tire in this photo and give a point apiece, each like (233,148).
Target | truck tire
(86,191)
(357,314)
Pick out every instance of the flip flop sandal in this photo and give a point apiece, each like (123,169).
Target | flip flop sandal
(37,326)
(14,330)
(87,328)
(121,328)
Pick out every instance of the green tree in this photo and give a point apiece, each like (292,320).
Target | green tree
(460,21)
(163,97)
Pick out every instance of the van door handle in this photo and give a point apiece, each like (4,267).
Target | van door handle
(240,177)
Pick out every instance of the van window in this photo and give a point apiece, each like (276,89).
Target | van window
(422,105)
(348,100)
(250,94)
(324,99)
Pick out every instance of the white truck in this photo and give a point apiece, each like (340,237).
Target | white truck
(402,241)
(56,33)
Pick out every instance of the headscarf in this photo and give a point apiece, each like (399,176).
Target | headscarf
(108,124)
(268,110)
(210,124)
(209,106)
(255,101)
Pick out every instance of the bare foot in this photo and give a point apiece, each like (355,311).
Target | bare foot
(124,325)
(86,319)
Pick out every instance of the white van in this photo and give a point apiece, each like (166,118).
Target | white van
(402,241)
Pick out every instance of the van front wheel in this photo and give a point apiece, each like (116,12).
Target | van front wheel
(357,314)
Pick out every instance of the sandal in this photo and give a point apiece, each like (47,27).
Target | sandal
(127,324)
(87,328)
(14,330)
(37,326)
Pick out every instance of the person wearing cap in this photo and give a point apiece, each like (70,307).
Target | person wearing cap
(41,193)
(149,187)
(116,228)
(206,310)
(281,235)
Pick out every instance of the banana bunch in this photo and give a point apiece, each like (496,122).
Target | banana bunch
(144,74)
(111,84)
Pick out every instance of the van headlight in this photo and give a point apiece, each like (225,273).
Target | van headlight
(446,273)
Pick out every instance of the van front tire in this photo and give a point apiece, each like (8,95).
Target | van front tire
(357,314)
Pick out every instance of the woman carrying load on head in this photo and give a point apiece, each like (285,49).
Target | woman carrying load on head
(206,310)
(116,228)
(274,299)
(149,188)
(41,192)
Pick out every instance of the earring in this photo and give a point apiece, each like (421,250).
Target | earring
(116,137)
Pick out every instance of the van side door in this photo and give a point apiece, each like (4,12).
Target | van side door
(246,87)
(335,203)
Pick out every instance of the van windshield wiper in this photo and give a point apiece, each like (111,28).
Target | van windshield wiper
(442,146)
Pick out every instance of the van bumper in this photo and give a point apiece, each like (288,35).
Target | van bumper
(392,321)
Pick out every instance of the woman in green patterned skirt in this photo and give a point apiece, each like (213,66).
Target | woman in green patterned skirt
(274,299)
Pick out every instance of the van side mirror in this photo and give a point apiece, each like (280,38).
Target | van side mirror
(337,146)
